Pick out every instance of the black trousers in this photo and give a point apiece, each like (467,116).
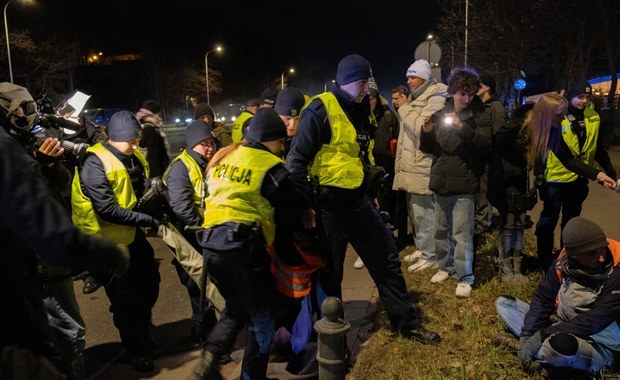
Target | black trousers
(239,266)
(133,295)
(355,221)
(557,197)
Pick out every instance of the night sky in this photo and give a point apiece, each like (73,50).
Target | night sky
(261,38)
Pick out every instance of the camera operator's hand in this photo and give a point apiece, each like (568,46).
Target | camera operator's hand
(427,126)
(308,218)
(51,148)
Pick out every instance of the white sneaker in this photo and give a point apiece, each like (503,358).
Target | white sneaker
(422,264)
(463,290)
(413,256)
(358,264)
(440,277)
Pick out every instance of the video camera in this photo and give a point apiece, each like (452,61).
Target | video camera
(33,121)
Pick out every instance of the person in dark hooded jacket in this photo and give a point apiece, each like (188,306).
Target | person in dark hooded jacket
(459,137)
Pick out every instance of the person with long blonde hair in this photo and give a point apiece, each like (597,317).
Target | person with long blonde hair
(562,152)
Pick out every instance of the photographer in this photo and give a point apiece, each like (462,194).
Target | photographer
(110,182)
(459,137)
(34,224)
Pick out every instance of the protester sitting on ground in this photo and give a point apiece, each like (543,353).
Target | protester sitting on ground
(582,288)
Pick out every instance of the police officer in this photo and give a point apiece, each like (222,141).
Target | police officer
(250,109)
(108,186)
(184,179)
(327,141)
(248,184)
(566,190)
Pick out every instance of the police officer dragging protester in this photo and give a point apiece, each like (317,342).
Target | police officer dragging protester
(110,182)
(327,141)
(248,189)
(187,191)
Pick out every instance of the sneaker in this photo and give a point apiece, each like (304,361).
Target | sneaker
(413,256)
(358,264)
(422,264)
(463,290)
(440,277)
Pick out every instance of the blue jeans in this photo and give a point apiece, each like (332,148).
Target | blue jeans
(591,356)
(454,237)
(422,213)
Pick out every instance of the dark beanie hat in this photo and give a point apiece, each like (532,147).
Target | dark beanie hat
(374,93)
(151,105)
(352,68)
(488,81)
(269,96)
(123,126)
(289,102)
(578,87)
(265,126)
(253,102)
(203,109)
(196,132)
(581,235)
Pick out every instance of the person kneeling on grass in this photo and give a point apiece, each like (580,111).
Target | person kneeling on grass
(583,288)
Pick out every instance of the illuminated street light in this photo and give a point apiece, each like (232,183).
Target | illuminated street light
(291,70)
(217,49)
(6,33)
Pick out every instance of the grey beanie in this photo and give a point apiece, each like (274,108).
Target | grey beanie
(581,235)
(196,132)
(123,126)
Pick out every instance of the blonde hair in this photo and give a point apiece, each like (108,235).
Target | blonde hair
(538,124)
(223,153)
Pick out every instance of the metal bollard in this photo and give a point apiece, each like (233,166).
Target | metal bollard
(332,331)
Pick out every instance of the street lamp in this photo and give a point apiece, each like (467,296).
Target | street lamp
(291,70)
(8,47)
(217,49)
(326,83)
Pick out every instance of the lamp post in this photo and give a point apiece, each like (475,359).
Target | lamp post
(217,49)
(291,70)
(8,46)
(328,82)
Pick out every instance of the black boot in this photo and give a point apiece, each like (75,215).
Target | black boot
(208,368)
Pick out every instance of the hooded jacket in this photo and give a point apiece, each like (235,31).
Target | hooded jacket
(459,155)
